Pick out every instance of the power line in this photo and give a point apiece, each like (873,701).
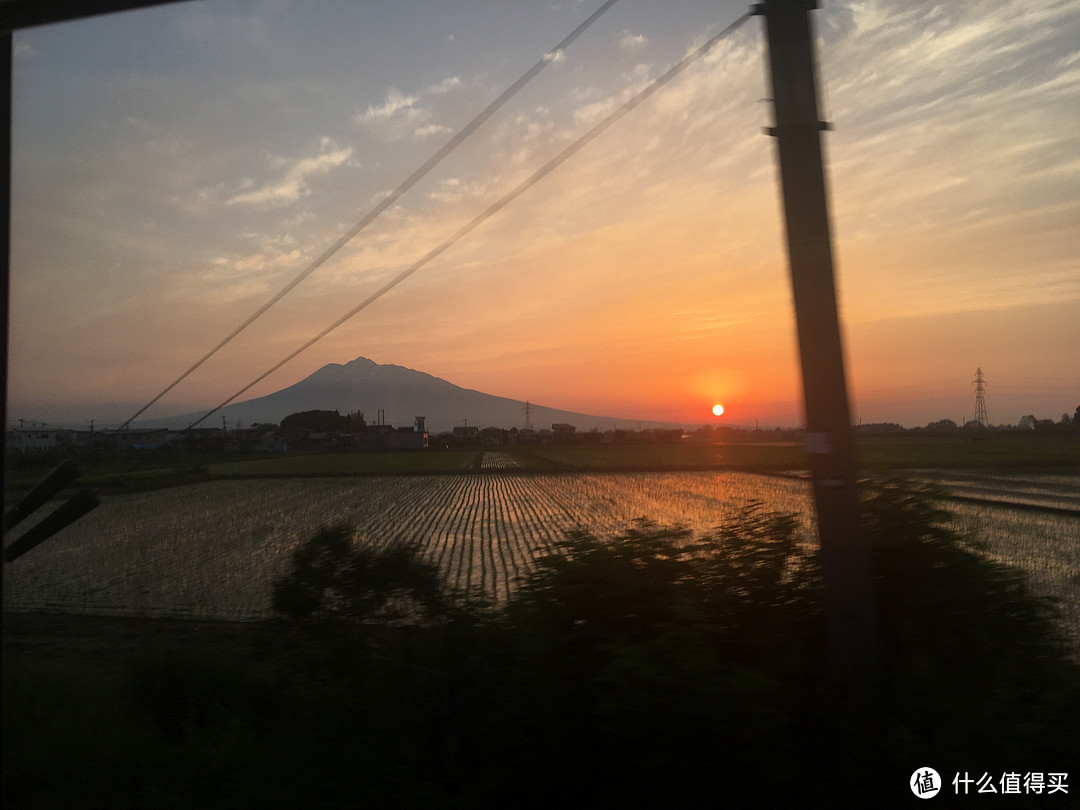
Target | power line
(494,208)
(390,198)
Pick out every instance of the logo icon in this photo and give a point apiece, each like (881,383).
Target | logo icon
(925,783)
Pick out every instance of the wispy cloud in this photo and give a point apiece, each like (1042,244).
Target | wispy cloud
(396,104)
(426,131)
(631,40)
(953,128)
(401,116)
(293,182)
(453,190)
(447,85)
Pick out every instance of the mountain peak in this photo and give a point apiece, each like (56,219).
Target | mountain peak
(337,370)
(359,362)
(399,394)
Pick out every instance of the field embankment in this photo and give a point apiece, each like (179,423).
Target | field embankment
(878,455)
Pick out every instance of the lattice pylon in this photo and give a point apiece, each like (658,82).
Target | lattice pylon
(980,398)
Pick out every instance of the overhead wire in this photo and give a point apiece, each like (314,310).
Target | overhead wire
(501,203)
(389,199)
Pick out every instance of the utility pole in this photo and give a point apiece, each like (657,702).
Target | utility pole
(845,553)
(6,54)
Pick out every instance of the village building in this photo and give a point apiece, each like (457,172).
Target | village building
(20,440)
(493,437)
(466,434)
(407,438)
(153,439)
(562,433)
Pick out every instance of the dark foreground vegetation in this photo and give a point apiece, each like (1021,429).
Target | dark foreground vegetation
(653,669)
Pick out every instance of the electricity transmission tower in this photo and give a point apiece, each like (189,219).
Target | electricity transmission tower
(980,398)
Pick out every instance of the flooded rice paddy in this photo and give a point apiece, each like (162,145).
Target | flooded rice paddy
(212,550)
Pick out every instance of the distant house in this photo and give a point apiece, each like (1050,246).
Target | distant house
(272,441)
(371,437)
(527,436)
(562,433)
(317,441)
(92,439)
(31,441)
(212,439)
(388,437)
(257,439)
(466,435)
(407,439)
(140,439)
(492,437)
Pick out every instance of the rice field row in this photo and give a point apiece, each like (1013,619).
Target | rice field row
(212,550)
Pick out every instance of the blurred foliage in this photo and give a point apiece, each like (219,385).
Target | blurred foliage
(333,577)
(966,647)
(653,668)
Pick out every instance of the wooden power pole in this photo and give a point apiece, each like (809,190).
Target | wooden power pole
(845,554)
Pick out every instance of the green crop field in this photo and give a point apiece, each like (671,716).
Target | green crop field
(762,456)
(1006,451)
(876,454)
(351,463)
(550,458)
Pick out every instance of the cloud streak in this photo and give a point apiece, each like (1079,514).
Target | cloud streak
(294,182)
(395,104)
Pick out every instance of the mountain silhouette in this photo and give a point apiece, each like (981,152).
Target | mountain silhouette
(402,394)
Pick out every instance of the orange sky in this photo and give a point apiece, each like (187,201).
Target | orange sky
(175,167)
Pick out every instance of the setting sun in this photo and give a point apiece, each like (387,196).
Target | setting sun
(718,410)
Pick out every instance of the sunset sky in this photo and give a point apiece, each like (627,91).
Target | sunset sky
(174,167)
